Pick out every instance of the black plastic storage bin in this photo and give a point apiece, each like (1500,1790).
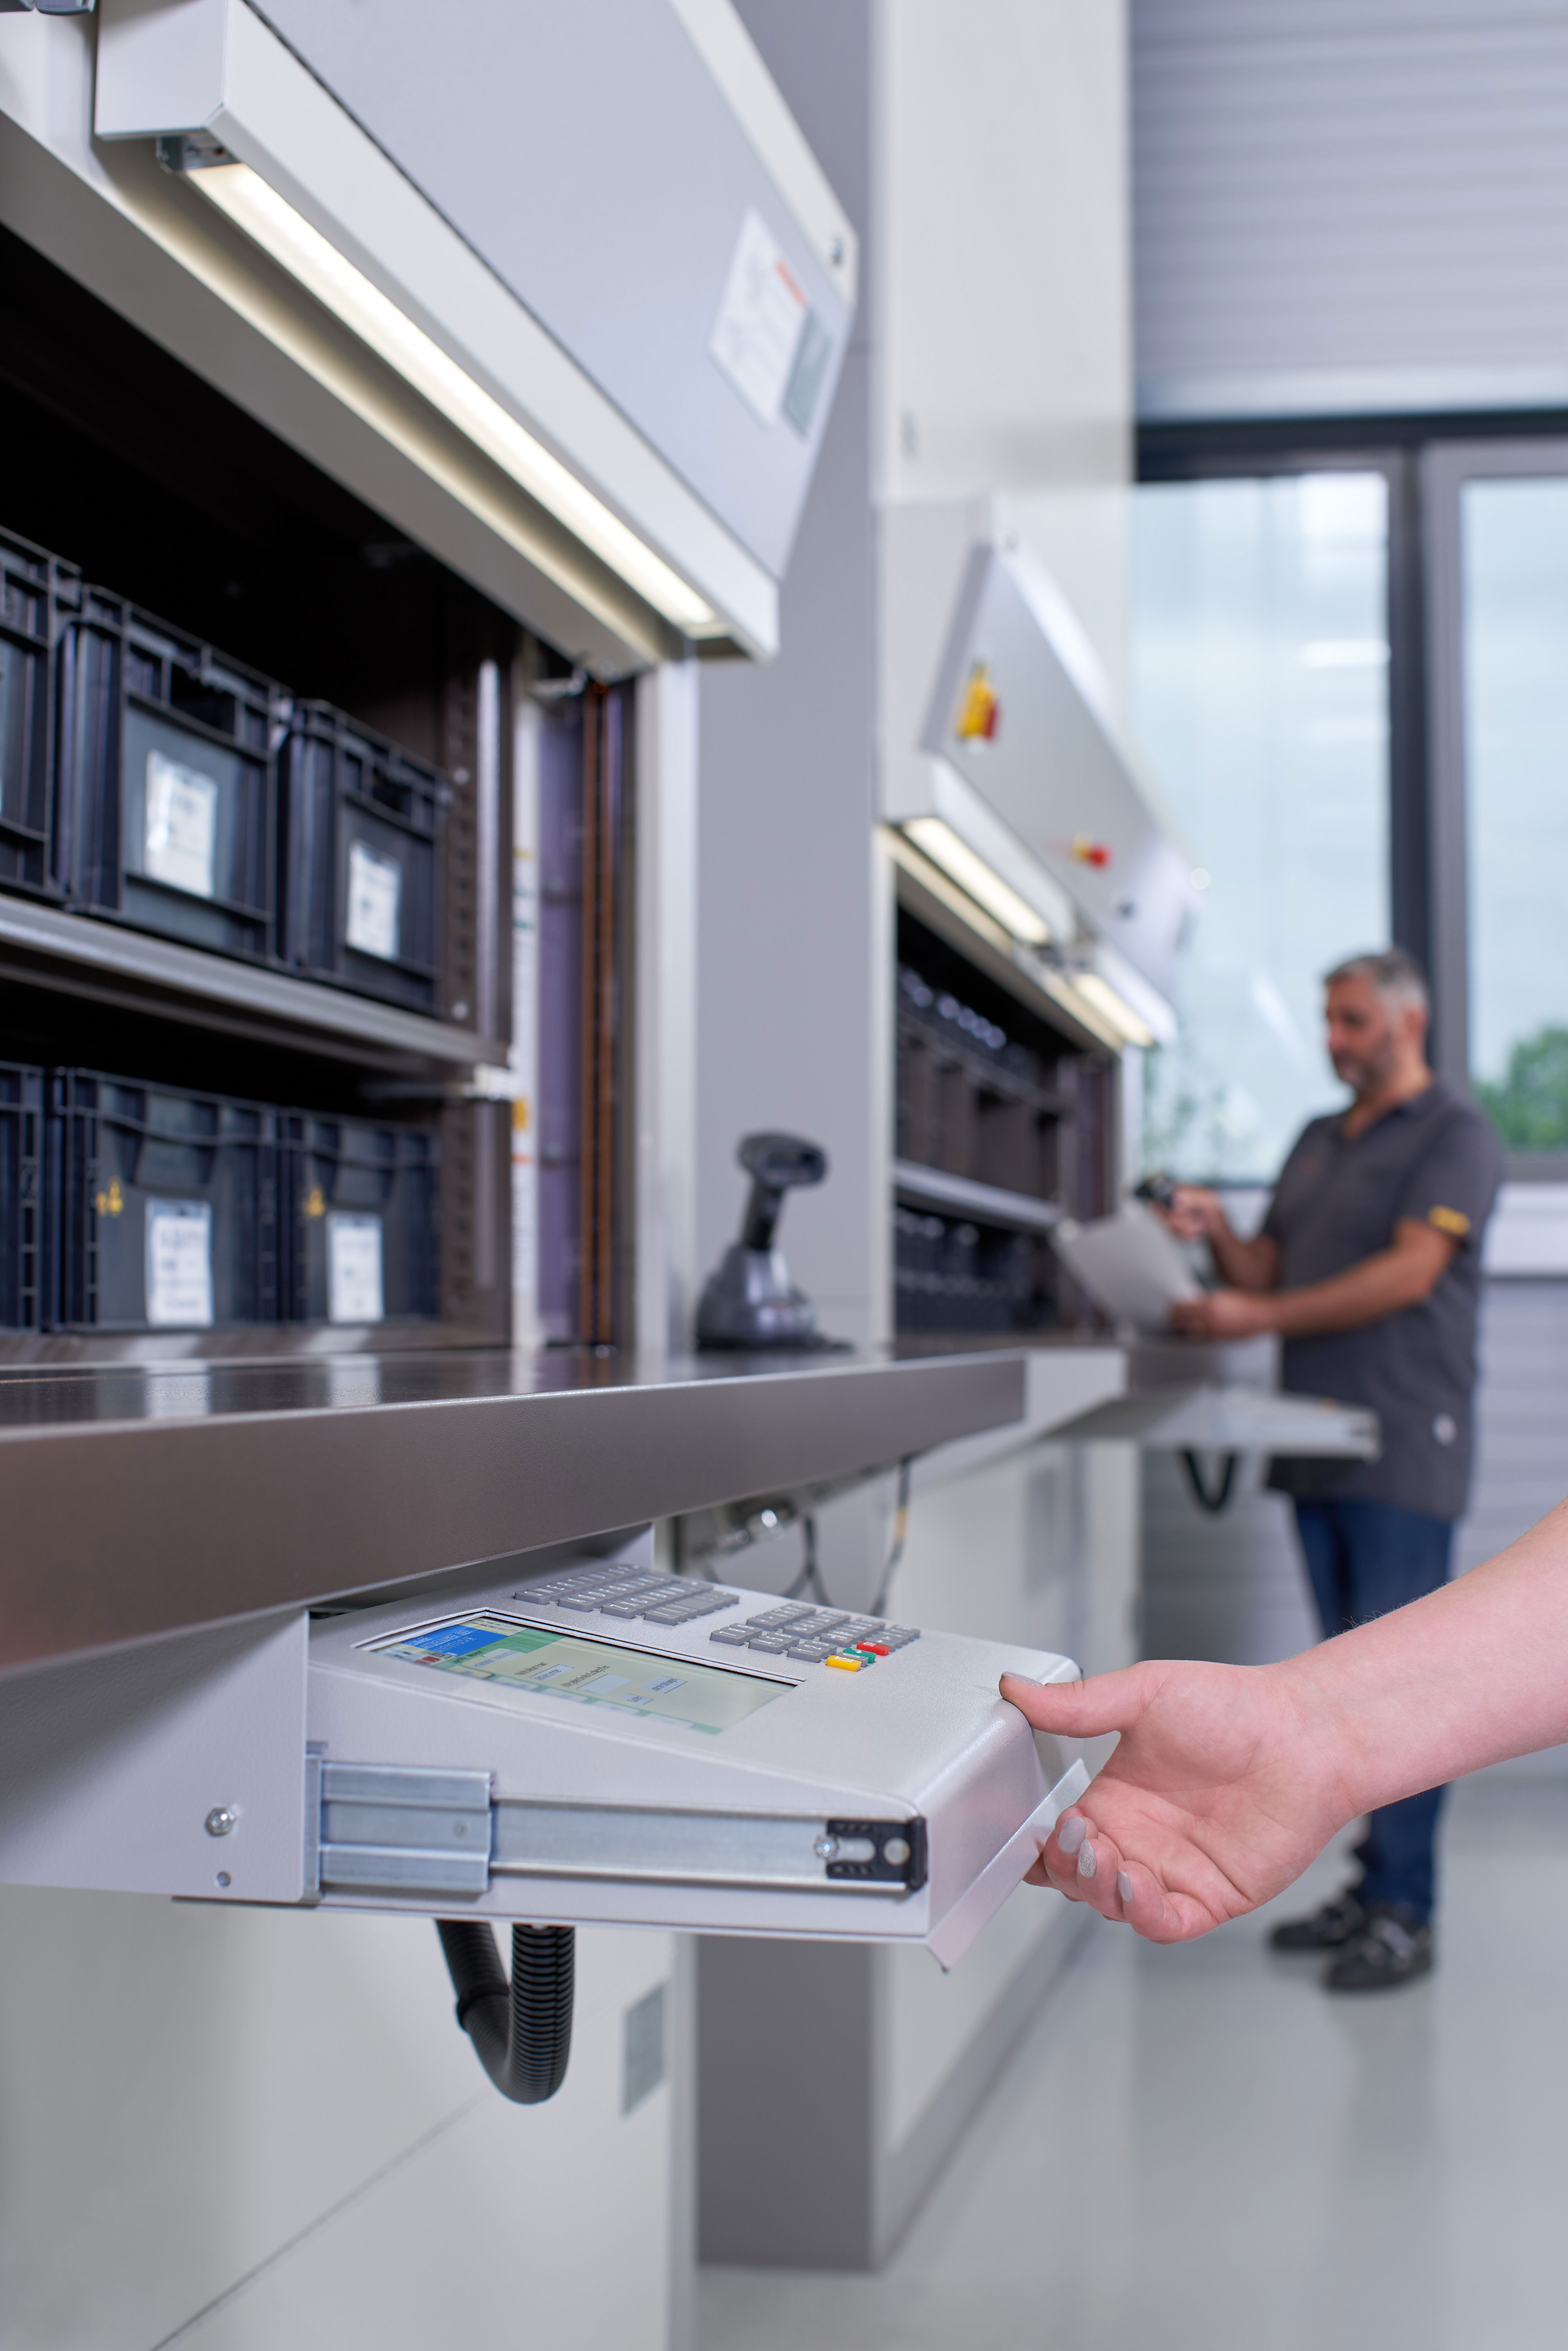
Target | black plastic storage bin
(21,1195)
(359,1207)
(360,848)
(33,586)
(952,1275)
(163,1207)
(163,798)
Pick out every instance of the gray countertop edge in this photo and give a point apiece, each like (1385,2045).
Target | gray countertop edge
(117,1532)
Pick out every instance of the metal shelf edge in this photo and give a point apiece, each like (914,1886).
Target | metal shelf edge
(933,1187)
(146,965)
(124,1532)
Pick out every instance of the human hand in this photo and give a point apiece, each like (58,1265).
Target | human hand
(1216,1797)
(1196,1214)
(1224,1314)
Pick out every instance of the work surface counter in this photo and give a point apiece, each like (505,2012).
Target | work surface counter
(145,1499)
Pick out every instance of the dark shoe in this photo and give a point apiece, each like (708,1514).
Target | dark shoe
(1391,1949)
(1337,1922)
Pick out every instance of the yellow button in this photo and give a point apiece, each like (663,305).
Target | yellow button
(849,1664)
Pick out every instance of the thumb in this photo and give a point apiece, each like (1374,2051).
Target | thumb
(1082,1710)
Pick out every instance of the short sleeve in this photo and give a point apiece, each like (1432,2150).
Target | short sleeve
(1454,1184)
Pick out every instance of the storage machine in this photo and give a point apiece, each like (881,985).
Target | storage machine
(600,1743)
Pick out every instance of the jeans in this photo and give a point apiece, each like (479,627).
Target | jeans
(1363,1559)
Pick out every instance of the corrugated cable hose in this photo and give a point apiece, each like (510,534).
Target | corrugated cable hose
(521,2029)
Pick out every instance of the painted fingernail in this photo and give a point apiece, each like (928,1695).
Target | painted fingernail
(1123,1885)
(1087,1865)
(1072,1834)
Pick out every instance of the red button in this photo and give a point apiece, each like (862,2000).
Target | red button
(876,1648)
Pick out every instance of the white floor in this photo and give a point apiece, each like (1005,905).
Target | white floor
(1199,2147)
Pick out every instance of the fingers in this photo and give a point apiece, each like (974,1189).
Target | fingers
(1200,1208)
(1081,1863)
(1087,1866)
(1080,1709)
(1192,1315)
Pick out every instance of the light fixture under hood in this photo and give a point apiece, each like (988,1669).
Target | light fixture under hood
(310,259)
(1130,1027)
(938,842)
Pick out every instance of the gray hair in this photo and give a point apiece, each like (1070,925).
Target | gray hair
(1395,976)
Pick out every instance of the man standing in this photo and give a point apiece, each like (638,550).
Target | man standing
(1368,1266)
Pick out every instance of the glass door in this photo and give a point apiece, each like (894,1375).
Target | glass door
(1260,659)
(1498,590)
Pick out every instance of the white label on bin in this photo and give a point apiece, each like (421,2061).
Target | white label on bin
(375,893)
(179,1265)
(354,1291)
(181,842)
(760,320)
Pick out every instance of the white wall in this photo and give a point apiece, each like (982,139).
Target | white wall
(1003,299)
(794,954)
(246,2130)
(979,147)
(793,958)
(1349,205)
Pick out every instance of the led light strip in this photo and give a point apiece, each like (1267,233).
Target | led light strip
(273,224)
(938,841)
(1114,1007)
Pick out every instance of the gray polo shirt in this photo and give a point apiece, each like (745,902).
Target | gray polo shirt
(1338,1201)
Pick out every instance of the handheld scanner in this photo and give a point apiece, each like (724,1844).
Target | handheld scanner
(775,1164)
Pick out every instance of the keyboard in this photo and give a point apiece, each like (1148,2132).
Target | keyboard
(808,1636)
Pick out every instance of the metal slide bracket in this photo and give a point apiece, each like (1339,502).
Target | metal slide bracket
(383,1828)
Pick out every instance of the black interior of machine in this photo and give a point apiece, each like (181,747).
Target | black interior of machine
(127,465)
(989,1092)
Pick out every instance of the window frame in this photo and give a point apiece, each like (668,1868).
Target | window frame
(1425,460)
(1445,467)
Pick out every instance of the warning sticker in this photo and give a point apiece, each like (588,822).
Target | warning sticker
(761,321)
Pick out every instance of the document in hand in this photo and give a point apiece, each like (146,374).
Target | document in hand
(1133,1267)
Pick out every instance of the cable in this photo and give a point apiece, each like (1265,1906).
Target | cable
(896,1549)
(521,2029)
(1217,1499)
(808,1579)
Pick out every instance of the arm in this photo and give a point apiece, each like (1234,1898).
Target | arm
(1229,1779)
(1396,1277)
(1198,1214)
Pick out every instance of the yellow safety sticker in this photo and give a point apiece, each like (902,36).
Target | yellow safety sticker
(1450,1220)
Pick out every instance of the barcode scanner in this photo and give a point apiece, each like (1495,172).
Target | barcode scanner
(749,1301)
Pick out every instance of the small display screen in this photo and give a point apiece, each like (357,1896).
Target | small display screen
(590,1673)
